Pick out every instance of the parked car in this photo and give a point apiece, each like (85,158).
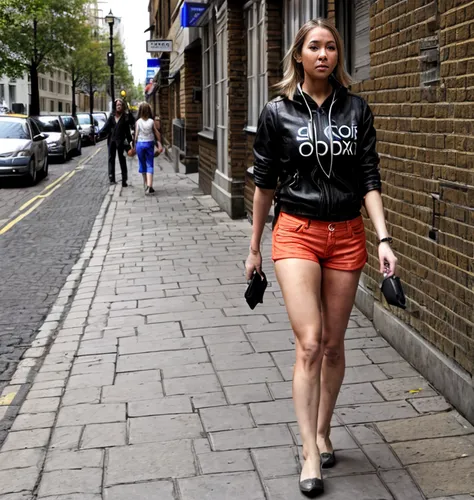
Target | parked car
(88,131)
(59,144)
(23,148)
(71,125)
(101,117)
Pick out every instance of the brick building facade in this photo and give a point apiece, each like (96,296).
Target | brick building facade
(413,60)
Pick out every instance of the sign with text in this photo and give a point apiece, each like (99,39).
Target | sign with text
(191,14)
(159,45)
(152,68)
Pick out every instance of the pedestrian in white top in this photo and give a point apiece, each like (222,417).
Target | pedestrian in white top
(145,135)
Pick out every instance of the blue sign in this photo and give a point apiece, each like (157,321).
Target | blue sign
(150,74)
(191,13)
(153,63)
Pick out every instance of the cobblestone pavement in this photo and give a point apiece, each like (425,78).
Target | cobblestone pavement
(162,384)
(37,254)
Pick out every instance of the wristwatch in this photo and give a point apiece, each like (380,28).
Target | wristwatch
(388,240)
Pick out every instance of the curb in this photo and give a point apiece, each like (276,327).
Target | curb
(32,360)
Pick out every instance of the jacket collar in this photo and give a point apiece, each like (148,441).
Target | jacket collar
(338,89)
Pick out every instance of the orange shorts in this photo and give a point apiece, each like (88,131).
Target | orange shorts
(335,245)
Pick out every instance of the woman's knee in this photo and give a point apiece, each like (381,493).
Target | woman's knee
(309,353)
(333,353)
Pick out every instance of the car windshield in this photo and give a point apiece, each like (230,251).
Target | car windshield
(50,124)
(84,119)
(13,129)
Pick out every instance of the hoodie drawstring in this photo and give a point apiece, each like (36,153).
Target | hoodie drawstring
(314,130)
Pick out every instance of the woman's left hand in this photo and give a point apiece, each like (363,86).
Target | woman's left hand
(387,259)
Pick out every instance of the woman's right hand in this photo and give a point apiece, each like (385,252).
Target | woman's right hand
(253,263)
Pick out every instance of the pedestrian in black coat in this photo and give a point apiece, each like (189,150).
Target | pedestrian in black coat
(117,129)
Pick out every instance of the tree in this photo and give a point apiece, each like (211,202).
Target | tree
(35,35)
(123,76)
(86,64)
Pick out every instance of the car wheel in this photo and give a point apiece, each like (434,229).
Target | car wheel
(32,174)
(45,169)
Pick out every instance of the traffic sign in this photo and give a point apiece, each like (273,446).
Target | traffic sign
(159,45)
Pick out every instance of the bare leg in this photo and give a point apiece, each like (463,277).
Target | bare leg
(300,282)
(149,180)
(337,295)
(144,180)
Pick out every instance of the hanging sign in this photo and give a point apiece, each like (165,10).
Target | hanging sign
(191,14)
(159,45)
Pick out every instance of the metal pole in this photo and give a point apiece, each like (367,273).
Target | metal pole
(112,83)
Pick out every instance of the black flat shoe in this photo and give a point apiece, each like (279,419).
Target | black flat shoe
(328,460)
(311,488)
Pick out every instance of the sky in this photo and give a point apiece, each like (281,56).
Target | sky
(134,14)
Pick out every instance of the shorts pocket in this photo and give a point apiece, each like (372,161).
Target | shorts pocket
(357,226)
(292,223)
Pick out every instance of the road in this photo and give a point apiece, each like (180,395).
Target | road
(42,232)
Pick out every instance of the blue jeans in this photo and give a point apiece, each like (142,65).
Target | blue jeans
(145,153)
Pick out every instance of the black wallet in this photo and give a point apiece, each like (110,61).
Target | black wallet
(393,291)
(256,289)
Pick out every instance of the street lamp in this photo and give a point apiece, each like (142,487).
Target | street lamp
(110,19)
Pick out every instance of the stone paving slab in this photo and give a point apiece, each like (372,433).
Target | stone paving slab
(162,384)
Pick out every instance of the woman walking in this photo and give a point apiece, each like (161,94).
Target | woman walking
(317,143)
(145,135)
(117,129)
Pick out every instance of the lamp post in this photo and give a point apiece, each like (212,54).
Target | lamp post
(110,19)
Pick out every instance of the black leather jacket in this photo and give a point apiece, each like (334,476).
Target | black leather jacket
(328,182)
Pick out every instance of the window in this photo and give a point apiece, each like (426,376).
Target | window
(60,88)
(42,104)
(222,94)
(353,22)
(298,12)
(2,93)
(68,108)
(209,77)
(66,89)
(51,105)
(51,86)
(257,86)
(60,106)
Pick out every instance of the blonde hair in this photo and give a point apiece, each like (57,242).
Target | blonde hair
(293,72)
(144,111)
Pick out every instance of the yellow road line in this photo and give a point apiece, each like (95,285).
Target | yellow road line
(59,179)
(70,175)
(28,203)
(40,197)
(20,217)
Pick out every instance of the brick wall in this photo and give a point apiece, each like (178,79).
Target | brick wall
(163,111)
(426,145)
(193,110)
(274,32)
(237,89)
(207,163)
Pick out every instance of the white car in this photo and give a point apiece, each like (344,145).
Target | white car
(59,144)
(23,148)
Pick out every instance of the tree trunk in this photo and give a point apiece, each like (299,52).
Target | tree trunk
(35,99)
(91,95)
(73,90)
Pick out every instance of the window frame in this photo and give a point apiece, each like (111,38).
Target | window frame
(257,67)
(298,12)
(209,51)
